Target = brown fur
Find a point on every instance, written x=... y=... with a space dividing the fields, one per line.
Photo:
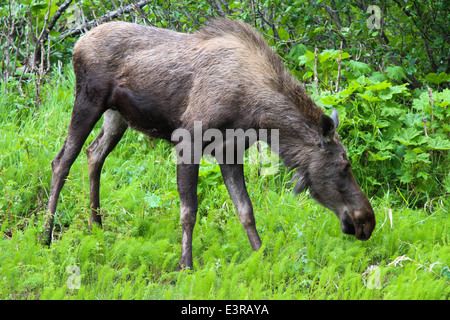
x=212 y=67
x=225 y=76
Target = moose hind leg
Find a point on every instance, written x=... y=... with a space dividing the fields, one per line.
x=233 y=176
x=85 y=115
x=113 y=128
x=187 y=178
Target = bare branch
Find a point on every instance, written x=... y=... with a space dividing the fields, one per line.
x=316 y=78
x=430 y=93
x=109 y=16
x=334 y=16
x=339 y=68
x=218 y=7
x=58 y=14
x=384 y=41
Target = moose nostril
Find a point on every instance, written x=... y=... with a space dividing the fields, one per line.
x=363 y=235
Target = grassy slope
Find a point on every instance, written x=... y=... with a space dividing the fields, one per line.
x=304 y=254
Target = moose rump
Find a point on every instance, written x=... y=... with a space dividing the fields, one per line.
x=224 y=76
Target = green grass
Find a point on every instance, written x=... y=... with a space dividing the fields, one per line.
x=304 y=253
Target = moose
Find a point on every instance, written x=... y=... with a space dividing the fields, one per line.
x=225 y=76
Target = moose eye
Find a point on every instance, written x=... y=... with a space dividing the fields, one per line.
x=347 y=167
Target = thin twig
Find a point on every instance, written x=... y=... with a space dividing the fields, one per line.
x=339 y=68
x=425 y=127
x=316 y=78
x=109 y=16
x=399 y=260
x=430 y=93
x=57 y=14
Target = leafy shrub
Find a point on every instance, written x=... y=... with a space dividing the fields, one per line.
x=396 y=138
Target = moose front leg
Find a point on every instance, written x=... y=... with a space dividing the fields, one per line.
x=233 y=176
x=187 y=178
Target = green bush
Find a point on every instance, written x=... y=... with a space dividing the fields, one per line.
x=397 y=139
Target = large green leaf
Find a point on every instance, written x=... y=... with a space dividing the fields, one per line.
x=396 y=73
x=437 y=78
x=368 y=97
x=406 y=136
x=359 y=68
x=39 y=6
x=379 y=86
x=438 y=143
x=380 y=155
x=297 y=51
x=412 y=157
x=331 y=100
x=353 y=86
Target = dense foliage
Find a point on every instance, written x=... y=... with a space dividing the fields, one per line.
x=384 y=68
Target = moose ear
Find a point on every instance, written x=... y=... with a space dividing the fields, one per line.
x=335 y=117
x=327 y=125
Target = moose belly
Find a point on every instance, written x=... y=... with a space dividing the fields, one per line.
x=154 y=116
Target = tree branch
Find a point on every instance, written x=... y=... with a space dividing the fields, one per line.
x=425 y=37
x=109 y=16
x=48 y=26
x=339 y=61
x=381 y=39
x=218 y=7
x=58 y=14
x=335 y=17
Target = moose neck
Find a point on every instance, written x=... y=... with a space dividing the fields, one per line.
x=294 y=130
x=294 y=148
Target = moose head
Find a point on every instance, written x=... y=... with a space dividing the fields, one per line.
x=330 y=180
